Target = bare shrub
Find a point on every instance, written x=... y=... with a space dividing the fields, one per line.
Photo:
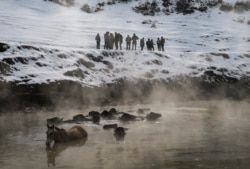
x=226 y=7
x=242 y=6
x=86 y=8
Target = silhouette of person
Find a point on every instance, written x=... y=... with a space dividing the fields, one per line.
x=98 y=41
x=116 y=40
x=162 y=43
x=148 y=44
x=128 y=42
x=158 y=42
x=152 y=45
x=106 y=35
x=111 y=41
x=120 y=40
x=134 y=41
x=142 y=43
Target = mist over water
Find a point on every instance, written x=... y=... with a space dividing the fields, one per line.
x=189 y=135
x=204 y=134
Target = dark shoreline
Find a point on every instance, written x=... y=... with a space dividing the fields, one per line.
x=14 y=97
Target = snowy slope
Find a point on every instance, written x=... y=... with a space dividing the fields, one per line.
x=56 y=30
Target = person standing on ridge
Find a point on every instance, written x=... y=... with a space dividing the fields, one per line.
x=152 y=45
x=116 y=40
x=120 y=40
x=111 y=41
x=106 y=35
x=148 y=44
x=134 y=41
x=98 y=41
x=142 y=43
x=128 y=42
x=162 y=43
x=159 y=44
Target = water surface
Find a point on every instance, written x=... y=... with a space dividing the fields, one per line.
x=190 y=135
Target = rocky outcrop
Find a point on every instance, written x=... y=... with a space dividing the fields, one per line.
x=4 y=47
x=169 y=6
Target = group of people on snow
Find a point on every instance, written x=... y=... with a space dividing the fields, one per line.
x=115 y=40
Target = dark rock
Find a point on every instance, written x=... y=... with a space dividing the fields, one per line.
x=5 y=69
x=202 y=9
x=101 y=4
x=62 y=55
x=4 y=47
x=109 y=64
x=85 y=63
x=212 y=4
x=9 y=61
x=41 y=64
x=165 y=71
x=75 y=73
x=157 y=62
x=28 y=47
x=224 y=55
x=92 y=57
x=12 y=61
x=22 y=60
x=209 y=73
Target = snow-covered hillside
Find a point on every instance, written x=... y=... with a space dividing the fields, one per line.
x=57 y=30
x=27 y=64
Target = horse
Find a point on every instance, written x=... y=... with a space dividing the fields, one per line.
x=62 y=136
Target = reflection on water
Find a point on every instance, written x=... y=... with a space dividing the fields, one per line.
x=57 y=149
x=190 y=135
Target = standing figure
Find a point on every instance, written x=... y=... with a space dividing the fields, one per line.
x=152 y=45
x=162 y=43
x=158 y=44
x=111 y=41
x=120 y=40
x=106 y=35
x=98 y=41
x=142 y=43
x=116 y=40
x=128 y=42
x=148 y=44
x=134 y=41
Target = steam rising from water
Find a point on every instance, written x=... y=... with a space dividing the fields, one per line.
x=194 y=134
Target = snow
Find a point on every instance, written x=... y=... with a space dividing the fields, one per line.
x=69 y=30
